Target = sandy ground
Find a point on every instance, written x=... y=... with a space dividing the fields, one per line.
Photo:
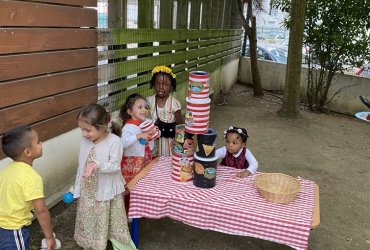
x=332 y=150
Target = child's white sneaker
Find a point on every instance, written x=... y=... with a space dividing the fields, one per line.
x=58 y=245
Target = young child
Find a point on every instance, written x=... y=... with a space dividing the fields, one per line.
x=21 y=190
x=235 y=154
x=136 y=153
x=99 y=184
x=164 y=108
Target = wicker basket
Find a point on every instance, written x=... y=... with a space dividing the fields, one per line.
x=277 y=187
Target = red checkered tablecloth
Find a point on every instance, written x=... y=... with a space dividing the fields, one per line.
x=233 y=206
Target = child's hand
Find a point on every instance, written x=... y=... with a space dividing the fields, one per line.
x=90 y=168
x=50 y=243
x=243 y=174
x=145 y=136
x=153 y=131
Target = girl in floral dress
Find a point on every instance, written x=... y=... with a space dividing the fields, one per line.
x=99 y=184
x=164 y=108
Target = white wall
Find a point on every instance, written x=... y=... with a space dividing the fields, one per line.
x=273 y=78
x=223 y=78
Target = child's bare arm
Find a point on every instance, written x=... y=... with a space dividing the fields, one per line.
x=178 y=117
x=43 y=216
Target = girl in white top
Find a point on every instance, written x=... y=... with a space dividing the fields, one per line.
x=99 y=184
x=236 y=154
x=136 y=152
x=164 y=108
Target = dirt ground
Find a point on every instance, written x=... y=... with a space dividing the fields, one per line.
x=332 y=150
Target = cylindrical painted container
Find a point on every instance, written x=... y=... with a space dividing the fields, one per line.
x=200 y=129
x=148 y=125
x=206 y=144
x=204 y=171
x=182 y=167
x=198 y=84
x=184 y=142
x=198 y=105
x=197 y=115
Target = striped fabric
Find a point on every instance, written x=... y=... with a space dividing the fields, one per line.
x=233 y=206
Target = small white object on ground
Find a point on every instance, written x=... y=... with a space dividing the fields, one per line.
x=58 y=245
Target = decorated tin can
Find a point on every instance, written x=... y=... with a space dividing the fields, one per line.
x=184 y=142
x=148 y=125
x=182 y=167
x=198 y=84
x=204 y=171
x=206 y=144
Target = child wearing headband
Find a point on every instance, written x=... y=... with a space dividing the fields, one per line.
x=235 y=153
x=164 y=108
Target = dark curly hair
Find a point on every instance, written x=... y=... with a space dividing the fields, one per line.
x=16 y=140
x=242 y=132
x=173 y=80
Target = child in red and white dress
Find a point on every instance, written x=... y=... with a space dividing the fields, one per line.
x=136 y=152
x=236 y=154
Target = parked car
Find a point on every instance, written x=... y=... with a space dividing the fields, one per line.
x=364 y=71
x=270 y=52
x=305 y=49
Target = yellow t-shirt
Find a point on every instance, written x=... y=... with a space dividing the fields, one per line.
x=20 y=184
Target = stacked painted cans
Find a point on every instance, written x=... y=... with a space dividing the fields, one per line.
x=198 y=103
x=182 y=155
x=200 y=167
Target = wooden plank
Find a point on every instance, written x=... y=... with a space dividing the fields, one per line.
x=316 y=211
x=117 y=17
x=142 y=174
x=124 y=84
x=145 y=14
x=17 y=40
x=57 y=125
x=227 y=16
x=166 y=14
x=85 y=3
x=38 y=87
x=121 y=69
x=195 y=14
x=112 y=54
x=125 y=36
x=53 y=127
x=26 y=14
x=25 y=65
x=182 y=14
x=45 y=108
x=114 y=102
x=206 y=14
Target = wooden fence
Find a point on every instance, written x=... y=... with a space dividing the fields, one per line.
x=186 y=50
x=48 y=63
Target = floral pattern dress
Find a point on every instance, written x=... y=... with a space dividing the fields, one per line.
x=99 y=221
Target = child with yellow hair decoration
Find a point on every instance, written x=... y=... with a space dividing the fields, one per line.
x=165 y=110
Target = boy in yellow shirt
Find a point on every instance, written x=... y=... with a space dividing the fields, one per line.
x=21 y=190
